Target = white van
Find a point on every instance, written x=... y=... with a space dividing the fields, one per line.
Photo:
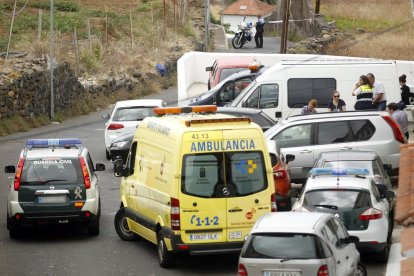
x=286 y=87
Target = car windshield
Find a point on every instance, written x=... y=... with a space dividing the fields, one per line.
x=241 y=95
x=223 y=174
x=370 y=165
x=280 y=246
x=51 y=170
x=132 y=113
x=226 y=72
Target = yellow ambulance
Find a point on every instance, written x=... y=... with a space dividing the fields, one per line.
x=194 y=181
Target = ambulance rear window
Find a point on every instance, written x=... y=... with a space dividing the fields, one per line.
x=224 y=174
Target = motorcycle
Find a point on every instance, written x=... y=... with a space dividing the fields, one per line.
x=243 y=36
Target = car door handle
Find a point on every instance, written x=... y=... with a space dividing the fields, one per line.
x=305 y=151
x=346 y=148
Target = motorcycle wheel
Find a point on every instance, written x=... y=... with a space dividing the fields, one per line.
x=237 y=42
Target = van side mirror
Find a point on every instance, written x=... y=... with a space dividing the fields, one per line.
x=387 y=168
x=293 y=193
x=105 y=116
x=382 y=189
x=209 y=68
x=278 y=114
x=289 y=158
x=389 y=195
x=119 y=168
x=350 y=239
x=10 y=169
x=100 y=167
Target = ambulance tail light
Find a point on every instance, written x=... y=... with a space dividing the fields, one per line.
x=115 y=126
x=273 y=203
x=18 y=175
x=85 y=173
x=175 y=214
x=398 y=135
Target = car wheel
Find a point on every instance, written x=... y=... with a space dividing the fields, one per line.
x=361 y=270
x=383 y=255
x=108 y=156
x=121 y=226
x=93 y=228
x=165 y=258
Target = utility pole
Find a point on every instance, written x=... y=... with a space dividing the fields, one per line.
x=317 y=6
x=52 y=102
x=285 y=25
x=207 y=23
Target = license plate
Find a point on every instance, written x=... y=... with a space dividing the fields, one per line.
x=235 y=235
x=52 y=199
x=282 y=273
x=204 y=237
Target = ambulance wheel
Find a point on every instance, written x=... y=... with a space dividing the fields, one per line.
x=122 y=228
x=166 y=259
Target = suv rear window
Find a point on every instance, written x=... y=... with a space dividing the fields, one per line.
x=132 y=113
x=363 y=130
x=225 y=174
x=280 y=246
x=47 y=170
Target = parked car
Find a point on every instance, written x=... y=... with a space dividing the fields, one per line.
x=119 y=147
x=55 y=182
x=297 y=244
x=356 y=159
x=281 y=175
x=357 y=201
x=257 y=115
x=305 y=136
x=224 y=67
x=125 y=118
x=228 y=89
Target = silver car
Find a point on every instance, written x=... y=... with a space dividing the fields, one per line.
x=298 y=244
x=305 y=136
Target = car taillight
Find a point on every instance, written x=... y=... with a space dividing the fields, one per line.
x=280 y=174
x=175 y=214
x=371 y=214
x=85 y=173
x=115 y=126
x=273 y=203
x=323 y=271
x=398 y=135
x=242 y=270
x=18 y=174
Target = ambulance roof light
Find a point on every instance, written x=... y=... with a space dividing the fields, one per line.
x=217 y=120
x=256 y=65
x=185 y=109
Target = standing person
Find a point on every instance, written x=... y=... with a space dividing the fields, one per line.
x=310 y=108
x=258 y=37
x=405 y=90
x=364 y=92
x=378 y=100
x=400 y=117
x=336 y=104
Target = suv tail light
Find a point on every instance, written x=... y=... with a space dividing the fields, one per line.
x=175 y=214
x=323 y=271
x=371 y=214
x=273 y=203
x=398 y=135
x=115 y=126
x=279 y=174
x=85 y=173
x=242 y=270
x=18 y=174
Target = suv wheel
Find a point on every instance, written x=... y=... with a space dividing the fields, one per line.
x=14 y=233
x=165 y=258
x=361 y=270
x=383 y=255
x=121 y=226
x=108 y=156
x=93 y=228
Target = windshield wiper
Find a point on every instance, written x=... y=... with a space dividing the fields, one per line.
x=51 y=180
x=293 y=258
x=334 y=207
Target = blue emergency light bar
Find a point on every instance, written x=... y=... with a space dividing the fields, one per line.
x=338 y=171
x=54 y=143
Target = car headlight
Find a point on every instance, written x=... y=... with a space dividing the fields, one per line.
x=120 y=144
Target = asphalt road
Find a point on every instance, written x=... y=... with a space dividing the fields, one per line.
x=271 y=45
x=70 y=251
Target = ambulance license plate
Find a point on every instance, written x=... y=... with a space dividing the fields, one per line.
x=52 y=199
x=282 y=273
x=204 y=237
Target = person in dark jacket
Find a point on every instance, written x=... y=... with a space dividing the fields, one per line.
x=405 y=90
x=258 y=37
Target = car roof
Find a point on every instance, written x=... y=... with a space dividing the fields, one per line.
x=232 y=60
x=340 y=182
x=336 y=115
x=238 y=110
x=348 y=155
x=145 y=102
x=289 y=222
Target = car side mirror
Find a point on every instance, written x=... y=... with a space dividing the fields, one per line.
x=289 y=158
x=350 y=239
x=100 y=167
x=10 y=169
x=390 y=195
x=209 y=68
x=105 y=116
x=293 y=193
x=119 y=168
x=382 y=189
x=387 y=168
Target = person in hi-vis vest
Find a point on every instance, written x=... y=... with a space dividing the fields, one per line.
x=364 y=92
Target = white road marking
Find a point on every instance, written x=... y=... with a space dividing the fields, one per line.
x=394 y=260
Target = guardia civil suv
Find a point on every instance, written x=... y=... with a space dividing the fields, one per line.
x=55 y=183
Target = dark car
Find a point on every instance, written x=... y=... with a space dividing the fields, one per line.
x=119 y=147
x=225 y=92
x=257 y=115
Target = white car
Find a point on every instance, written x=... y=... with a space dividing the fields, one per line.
x=125 y=118
x=299 y=244
x=356 y=200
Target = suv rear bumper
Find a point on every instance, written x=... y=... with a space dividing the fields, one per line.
x=370 y=247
